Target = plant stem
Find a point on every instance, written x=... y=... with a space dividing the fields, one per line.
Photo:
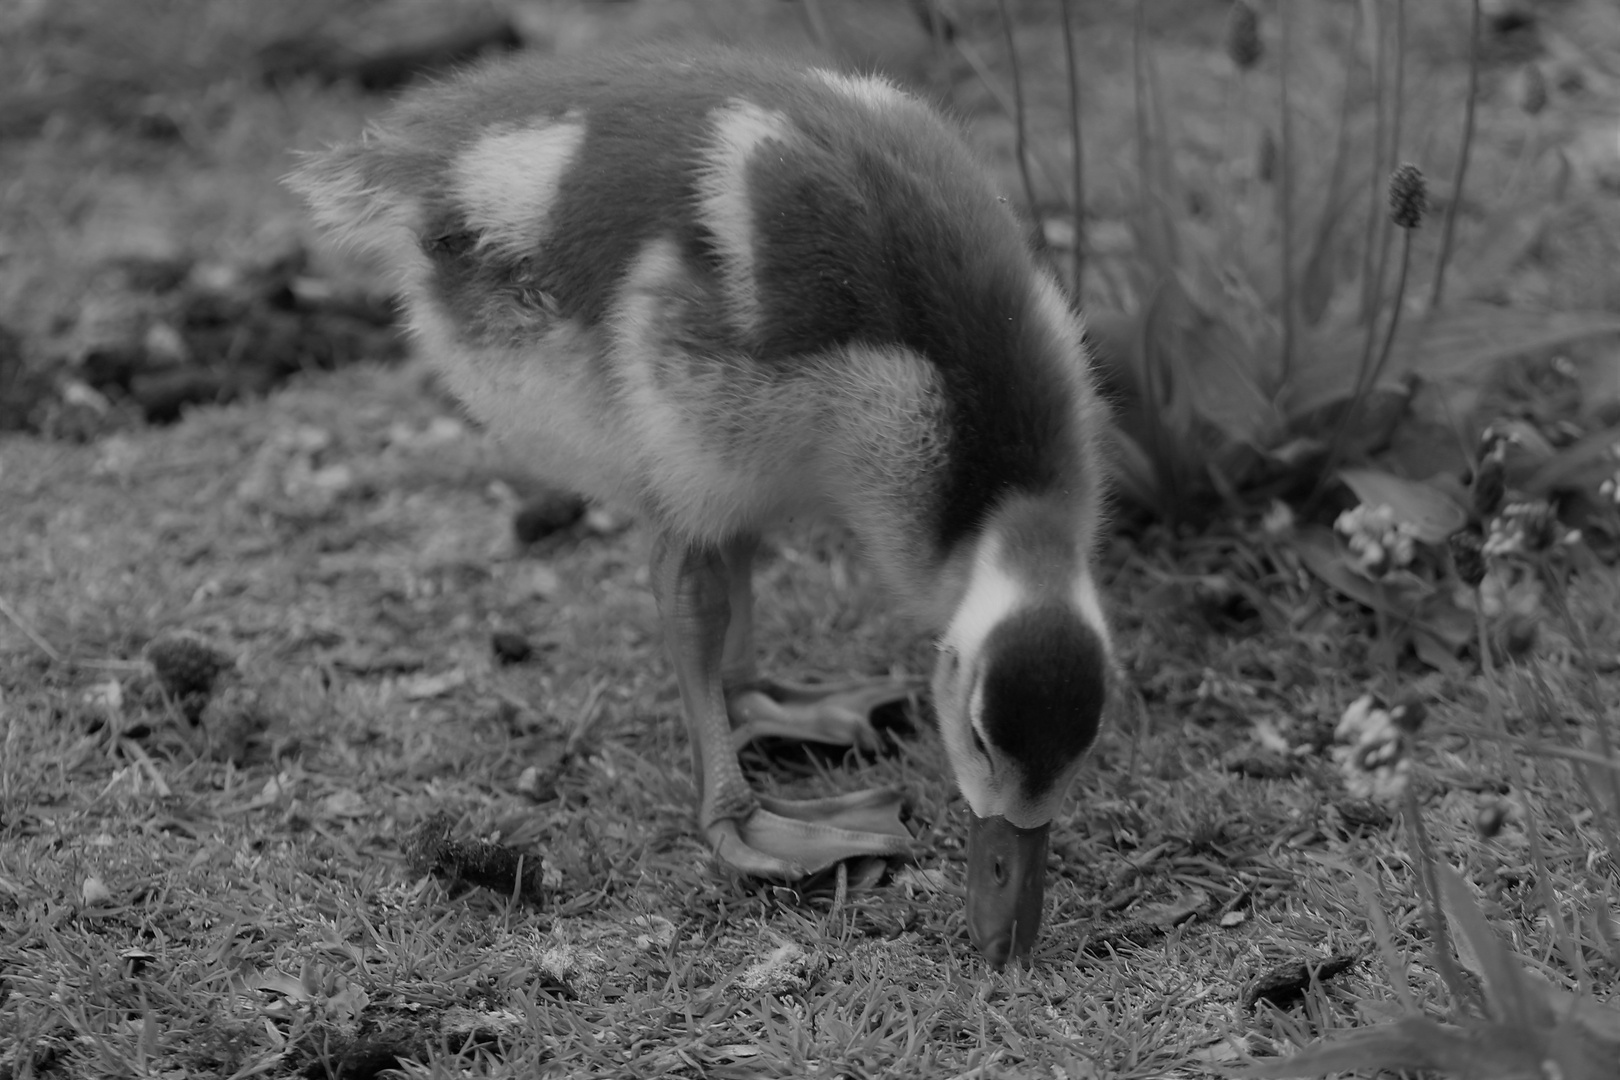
x=1439 y=292
x=1004 y=102
x=936 y=31
x=1532 y=830
x=1594 y=700
x=1367 y=379
x=1072 y=70
x=1020 y=128
x=1285 y=191
x=1372 y=270
x=819 y=31
x=1429 y=885
x=1397 y=61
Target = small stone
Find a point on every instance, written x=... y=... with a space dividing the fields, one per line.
x=1490 y=819
x=95 y=892
x=546 y=514
x=187 y=665
x=510 y=648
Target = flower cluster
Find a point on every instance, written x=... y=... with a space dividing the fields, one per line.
x=1376 y=538
x=1375 y=744
x=1610 y=488
x=1526 y=528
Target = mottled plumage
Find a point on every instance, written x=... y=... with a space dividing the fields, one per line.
x=731 y=290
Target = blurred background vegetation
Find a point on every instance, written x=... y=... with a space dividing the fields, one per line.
x=1348 y=268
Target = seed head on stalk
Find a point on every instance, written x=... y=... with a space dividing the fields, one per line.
x=1243 y=35
x=1408 y=196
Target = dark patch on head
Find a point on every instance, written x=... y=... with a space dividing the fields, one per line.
x=880 y=230
x=1045 y=683
x=490 y=296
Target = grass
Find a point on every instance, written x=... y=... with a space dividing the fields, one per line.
x=237 y=898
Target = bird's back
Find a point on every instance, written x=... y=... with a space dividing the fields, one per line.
x=728 y=288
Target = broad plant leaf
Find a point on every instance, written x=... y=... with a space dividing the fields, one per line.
x=1507 y=993
x=1483 y=261
x=1437 y=628
x=1587 y=458
x=1469 y=339
x=1207 y=358
x=1322 y=556
x=1515 y=994
x=1432 y=514
x=1459 y=341
x=1477 y=1052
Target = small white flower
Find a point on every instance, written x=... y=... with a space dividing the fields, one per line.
x=1278 y=520
x=1526 y=528
x=1376 y=538
x=1372 y=755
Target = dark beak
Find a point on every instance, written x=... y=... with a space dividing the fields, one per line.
x=1006 y=887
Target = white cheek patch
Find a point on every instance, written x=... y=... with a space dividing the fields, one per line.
x=992 y=595
x=968 y=763
x=725 y=205
x=1089 y=605
x=507 y=183
x=874 y=93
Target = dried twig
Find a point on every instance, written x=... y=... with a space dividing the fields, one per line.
x=28 y=631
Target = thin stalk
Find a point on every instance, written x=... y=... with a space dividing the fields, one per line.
x=1004 y=102
x=1594 y=697
x=1165 y=456
x=1429 y=885
x=1398 y=104
x=1328 y=222
x=819 y=31
x=1399 y=978
x=1077 y=175
x=1438 y=294
x=1372 y=270
x=1155 y=171
x=1368 y=379
x=1532 y=831
x=936 y=31
x=29 y=632
x=1397 y=61
x=1022 y=135
x=1285 y=192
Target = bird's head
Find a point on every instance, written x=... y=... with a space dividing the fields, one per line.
x=1019 y=688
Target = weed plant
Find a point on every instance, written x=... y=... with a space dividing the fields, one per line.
x=1276 y=344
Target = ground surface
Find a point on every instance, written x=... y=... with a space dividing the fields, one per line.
x=243 y=897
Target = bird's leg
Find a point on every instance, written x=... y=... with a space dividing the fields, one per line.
x=766 y=837
x=839 y=714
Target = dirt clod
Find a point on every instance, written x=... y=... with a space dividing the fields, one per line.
x=188 y=668
x=432 y=849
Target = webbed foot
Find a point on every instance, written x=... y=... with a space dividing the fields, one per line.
x=838 y=714
x=790 y=839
